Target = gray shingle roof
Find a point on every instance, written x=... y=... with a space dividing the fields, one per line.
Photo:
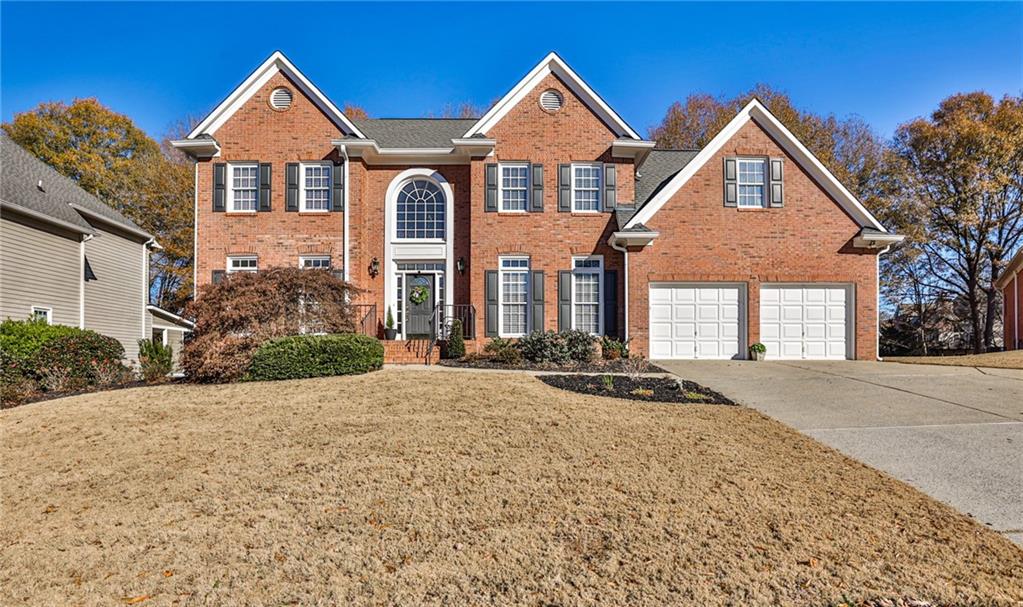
x=414 y=132
x=20 y=174
x=657 y=169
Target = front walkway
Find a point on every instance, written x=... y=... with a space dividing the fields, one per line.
x=955 y=433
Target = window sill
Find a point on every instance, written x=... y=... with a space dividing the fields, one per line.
x=241 y=213
x=513 y=213
x=323 y=212
x=752 y=209
x=587 y=214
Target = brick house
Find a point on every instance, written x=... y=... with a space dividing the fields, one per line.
x=1011 y=285
x=549 y=212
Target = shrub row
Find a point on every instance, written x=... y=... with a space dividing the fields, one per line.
x=38 y=357
x=545 y=347
x=302 y=356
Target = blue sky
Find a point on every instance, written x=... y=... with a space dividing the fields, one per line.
x=160 y=62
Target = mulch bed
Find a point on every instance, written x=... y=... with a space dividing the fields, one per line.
x=651 y=389
x=596 y=366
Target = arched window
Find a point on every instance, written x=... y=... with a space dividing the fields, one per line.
x=420 y=210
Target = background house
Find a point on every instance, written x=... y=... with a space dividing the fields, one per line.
x=70 y=259
x=1011 y=285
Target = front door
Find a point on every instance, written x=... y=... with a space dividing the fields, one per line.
x=419 y=302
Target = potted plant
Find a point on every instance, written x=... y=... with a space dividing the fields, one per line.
x=389 y=331
x=757 y=351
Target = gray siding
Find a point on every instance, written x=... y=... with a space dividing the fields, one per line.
x=38 y=267
x=115 y=301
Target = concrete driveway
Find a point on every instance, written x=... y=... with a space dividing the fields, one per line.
x=955 y=433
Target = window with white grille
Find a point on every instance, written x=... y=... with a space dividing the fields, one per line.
x=244 y=192
x=315 y=192
x=587 y=287
x=514 y=296
x=585 y=188
x=751 y=182
x=514 y=187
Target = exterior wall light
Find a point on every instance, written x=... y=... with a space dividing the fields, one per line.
x=460 y=265
x=374 y=267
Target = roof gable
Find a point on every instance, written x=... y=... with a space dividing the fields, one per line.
x=756 y=110
x=275 y=63
x=552 y=63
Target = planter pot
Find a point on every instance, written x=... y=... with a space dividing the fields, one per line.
x=390 y=334
x=756 y=356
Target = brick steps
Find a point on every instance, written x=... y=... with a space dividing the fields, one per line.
x=409 y=352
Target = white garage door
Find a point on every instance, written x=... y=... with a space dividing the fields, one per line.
x=699 y=320
x=806 y=321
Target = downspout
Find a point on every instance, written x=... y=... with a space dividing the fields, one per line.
x=614 y=245
x=344 y=218
x=877 y=307
x=145 y=281
x=195 y=233
x=1015 y=305
x=81 y=276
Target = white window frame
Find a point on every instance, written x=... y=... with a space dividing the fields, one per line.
x=230 y=269
x=739 y=183
x=47 y=313
x=500 y=188
x=501 y=271
x=599 y=271
x=230 y=186
x=446 y=225
x=304 y=258
x=600 y=186
x=302 y=189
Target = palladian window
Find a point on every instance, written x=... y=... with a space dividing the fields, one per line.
x=420 y=211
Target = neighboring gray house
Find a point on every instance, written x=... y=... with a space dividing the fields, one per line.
x=67 y=257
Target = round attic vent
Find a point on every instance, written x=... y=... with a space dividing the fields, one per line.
x=551 y=100
x=280 y=98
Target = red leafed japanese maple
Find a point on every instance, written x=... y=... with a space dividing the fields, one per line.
x=236 y=315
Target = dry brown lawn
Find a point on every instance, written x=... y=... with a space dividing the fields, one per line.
x=410 y=487
x=1013 y=359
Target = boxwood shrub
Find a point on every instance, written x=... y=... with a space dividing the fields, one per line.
x=300 y=356
x=81 y=360
x=20 y=340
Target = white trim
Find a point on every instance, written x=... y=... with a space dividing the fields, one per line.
x=275 y=63
x=229 y=186
x=788 y=141
x=461 y=152
x=500 y=186
x=739 y=183
x=231 y=258
x=600 y=187
x=301 y=188
x=599 y=271
x=145 y=284
x=17 y=208
x=48 y=313
x=303 y=258
x=160 y=311
x=500 y=292
x=390 y=198
x=552 y=63
x=199 y=148
x=112 y=222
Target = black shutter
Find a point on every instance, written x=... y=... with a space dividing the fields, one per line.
x=611 y=303
x=564 y=300
x=536 y=301
x=264 y=186
x=219 y=187
x=610 y=187
x=564 y=188
x=731 y=183
x=218 y=275
x=492 y=310
x=777 y=189
x=291 y=175
x=337 y=193
x=491 y=199
x=536 y=200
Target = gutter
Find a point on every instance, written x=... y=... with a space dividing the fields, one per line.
x=46 y=218
x=151 y=240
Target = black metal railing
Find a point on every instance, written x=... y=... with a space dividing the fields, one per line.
x=365 y=316
x=444 y=316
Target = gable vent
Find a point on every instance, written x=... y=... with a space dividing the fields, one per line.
x=280 y=99
x=551 y=100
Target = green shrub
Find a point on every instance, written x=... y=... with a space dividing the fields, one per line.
x=503 y=351
x=613 y=349
x=81 y=360
x=22 y=339
x=156 y=361
x=758 y=347
x=300 y=356
x=581 y=346
x=545 y=347
x=456 y=341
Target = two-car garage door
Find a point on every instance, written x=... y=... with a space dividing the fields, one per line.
x=708 y=320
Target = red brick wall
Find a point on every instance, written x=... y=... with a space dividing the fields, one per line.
x=1013 y=312
x=256 y=132
x=808 y=240
x=551 y=238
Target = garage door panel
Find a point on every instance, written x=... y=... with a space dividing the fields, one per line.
x=701 y=320
x=805 y=321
